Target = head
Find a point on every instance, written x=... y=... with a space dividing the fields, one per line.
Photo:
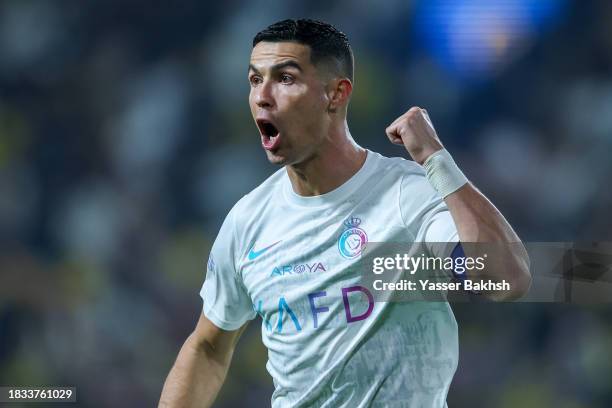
x=300 y=74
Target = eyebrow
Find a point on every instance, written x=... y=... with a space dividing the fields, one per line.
x=278 y=66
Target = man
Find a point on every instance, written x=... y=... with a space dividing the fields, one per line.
x=286 y=251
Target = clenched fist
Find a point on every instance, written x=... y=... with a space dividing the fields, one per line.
x=415 y=131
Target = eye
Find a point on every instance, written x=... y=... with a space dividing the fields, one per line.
x=286 y=79
x=254 y=80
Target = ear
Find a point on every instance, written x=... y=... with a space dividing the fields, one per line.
x=339 y=93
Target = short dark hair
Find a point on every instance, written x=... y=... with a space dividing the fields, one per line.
x=327 y=43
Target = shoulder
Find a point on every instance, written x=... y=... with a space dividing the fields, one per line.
x=261 y=194
x=248 y=212
x=245 y=215
x=398 y=165
x=414 y=187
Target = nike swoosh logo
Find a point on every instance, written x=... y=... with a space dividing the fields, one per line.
x=254 y=254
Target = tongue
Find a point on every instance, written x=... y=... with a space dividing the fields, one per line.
x=270 y=142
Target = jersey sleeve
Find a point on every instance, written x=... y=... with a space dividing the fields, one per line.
x=226 y=301
x=426 y=215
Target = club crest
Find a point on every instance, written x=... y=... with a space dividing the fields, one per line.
x=353 y=239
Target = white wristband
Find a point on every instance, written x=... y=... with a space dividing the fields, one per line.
x=443 y=173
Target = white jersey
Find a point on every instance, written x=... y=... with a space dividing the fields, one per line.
x=289 y=258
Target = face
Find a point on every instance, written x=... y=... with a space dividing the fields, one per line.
x=288 y=101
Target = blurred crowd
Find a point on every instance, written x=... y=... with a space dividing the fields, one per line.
x=125 y=137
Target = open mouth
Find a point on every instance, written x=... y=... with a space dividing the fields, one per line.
x=269 y=134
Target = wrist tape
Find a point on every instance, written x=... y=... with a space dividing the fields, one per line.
x=443 y=173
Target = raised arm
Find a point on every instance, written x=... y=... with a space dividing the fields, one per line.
x=476 y=218
x=201 y=366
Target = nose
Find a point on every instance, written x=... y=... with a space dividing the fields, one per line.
x=263 y=95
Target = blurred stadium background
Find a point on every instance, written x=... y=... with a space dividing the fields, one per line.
x=125 y=137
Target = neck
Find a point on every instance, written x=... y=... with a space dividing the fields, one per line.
x=337 y=160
